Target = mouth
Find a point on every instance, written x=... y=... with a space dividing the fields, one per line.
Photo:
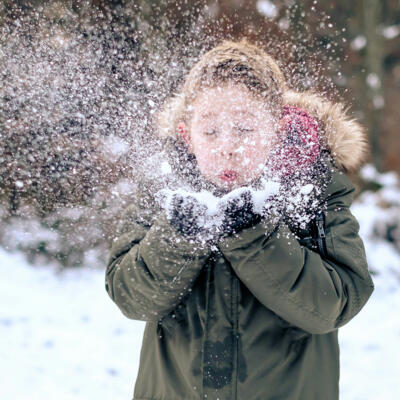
x=228 y=175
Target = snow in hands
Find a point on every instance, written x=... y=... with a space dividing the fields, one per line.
x=272 y=199
x=209 y=213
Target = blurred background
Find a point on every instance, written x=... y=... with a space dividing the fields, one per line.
x=80 y=83
x=82 y=79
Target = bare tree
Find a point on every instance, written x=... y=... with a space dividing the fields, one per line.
x=374 y=74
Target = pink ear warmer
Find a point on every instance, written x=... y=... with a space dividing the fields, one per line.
x=300 y=144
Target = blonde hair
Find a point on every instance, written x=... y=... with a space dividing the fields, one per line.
x=240 y=62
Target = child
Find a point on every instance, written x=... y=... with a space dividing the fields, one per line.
x=250 y=309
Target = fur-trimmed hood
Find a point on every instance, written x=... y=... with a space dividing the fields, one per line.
x=344 y=137
x=341 y=136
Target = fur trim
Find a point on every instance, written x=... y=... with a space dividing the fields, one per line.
x=169 y=115
x=345 y=138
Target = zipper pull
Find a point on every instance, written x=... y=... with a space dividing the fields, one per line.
x=320 y=225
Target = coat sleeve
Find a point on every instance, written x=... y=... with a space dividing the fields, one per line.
x=150 y=267
x=313 y=293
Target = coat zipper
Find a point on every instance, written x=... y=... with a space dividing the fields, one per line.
x=235 y=301
x=320 y=221
x=205 y=326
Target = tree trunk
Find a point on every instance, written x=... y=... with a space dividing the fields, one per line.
x=374 y=53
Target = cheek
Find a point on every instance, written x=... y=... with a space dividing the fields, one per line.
x=205 y=156
x=254 y=149
x=255 y=153
x=203 y=163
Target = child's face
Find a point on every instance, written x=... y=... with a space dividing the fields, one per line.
x=231 y=134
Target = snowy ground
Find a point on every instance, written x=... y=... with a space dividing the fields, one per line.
x=63 y=338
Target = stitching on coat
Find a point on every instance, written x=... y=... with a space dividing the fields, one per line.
x=299 y=304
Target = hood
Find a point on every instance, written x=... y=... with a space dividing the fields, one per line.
x=341 y=136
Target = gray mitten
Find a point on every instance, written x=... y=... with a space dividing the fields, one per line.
x=185 y=212
x=189 y=217
x=238 y=213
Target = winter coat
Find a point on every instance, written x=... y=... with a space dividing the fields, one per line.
x=255 y=317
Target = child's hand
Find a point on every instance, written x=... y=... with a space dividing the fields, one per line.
x=238 y=213
x=187 y=215
x=210 y=218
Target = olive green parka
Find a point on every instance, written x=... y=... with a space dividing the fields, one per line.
x=255 y=317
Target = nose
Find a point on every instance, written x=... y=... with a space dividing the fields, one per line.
x=226 y=153
x=228 y=148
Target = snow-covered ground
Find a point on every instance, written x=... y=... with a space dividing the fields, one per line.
x=63 y=338
x=370 y=342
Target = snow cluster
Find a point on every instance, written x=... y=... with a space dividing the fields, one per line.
x=79 y=88
x=271 y=199
x=78 y=91
x=213 y=205
x=267 y=8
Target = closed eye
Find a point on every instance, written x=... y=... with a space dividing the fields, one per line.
x=240 y=129
x=244 y=129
